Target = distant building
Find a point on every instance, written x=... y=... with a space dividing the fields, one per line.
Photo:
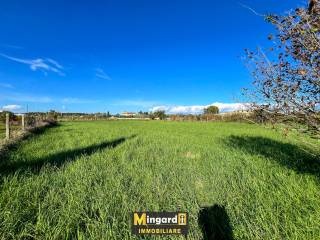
x=128 y=114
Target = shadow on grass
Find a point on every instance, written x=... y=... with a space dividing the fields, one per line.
x=215 y=223
x=286 y=154
x=57 y=159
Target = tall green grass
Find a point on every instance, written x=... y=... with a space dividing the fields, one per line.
x=83 y=180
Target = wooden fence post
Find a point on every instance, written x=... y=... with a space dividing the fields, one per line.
x=7 y=126
x=22 y=122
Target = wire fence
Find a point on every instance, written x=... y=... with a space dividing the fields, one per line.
x=12 y=125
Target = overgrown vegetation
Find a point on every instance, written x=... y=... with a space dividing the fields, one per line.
x=263 y=186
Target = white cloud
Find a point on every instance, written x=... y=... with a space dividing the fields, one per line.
x=179 y=109
x=101 y=74
x=6 y=85
x=197 y=109
x=12 y=107
x=44 y=65
x=230 y=107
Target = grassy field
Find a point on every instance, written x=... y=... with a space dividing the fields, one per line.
x=83 y=180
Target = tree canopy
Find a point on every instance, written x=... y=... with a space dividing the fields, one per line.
x=211 y=110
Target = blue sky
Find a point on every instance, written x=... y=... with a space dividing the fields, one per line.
x=124 y=55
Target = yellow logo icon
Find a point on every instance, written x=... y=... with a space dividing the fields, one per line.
x=182 y=219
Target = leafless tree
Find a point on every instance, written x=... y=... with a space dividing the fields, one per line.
x=287 y=75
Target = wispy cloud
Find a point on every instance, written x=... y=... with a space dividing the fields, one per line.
x=101 y=74
x=197 y=109
x=6 y=85
x=55 y=63
x=11 y=46
x=23 y=98
x=44 y=65
x=17 y=97
x=12 y=107
x=71 y=100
